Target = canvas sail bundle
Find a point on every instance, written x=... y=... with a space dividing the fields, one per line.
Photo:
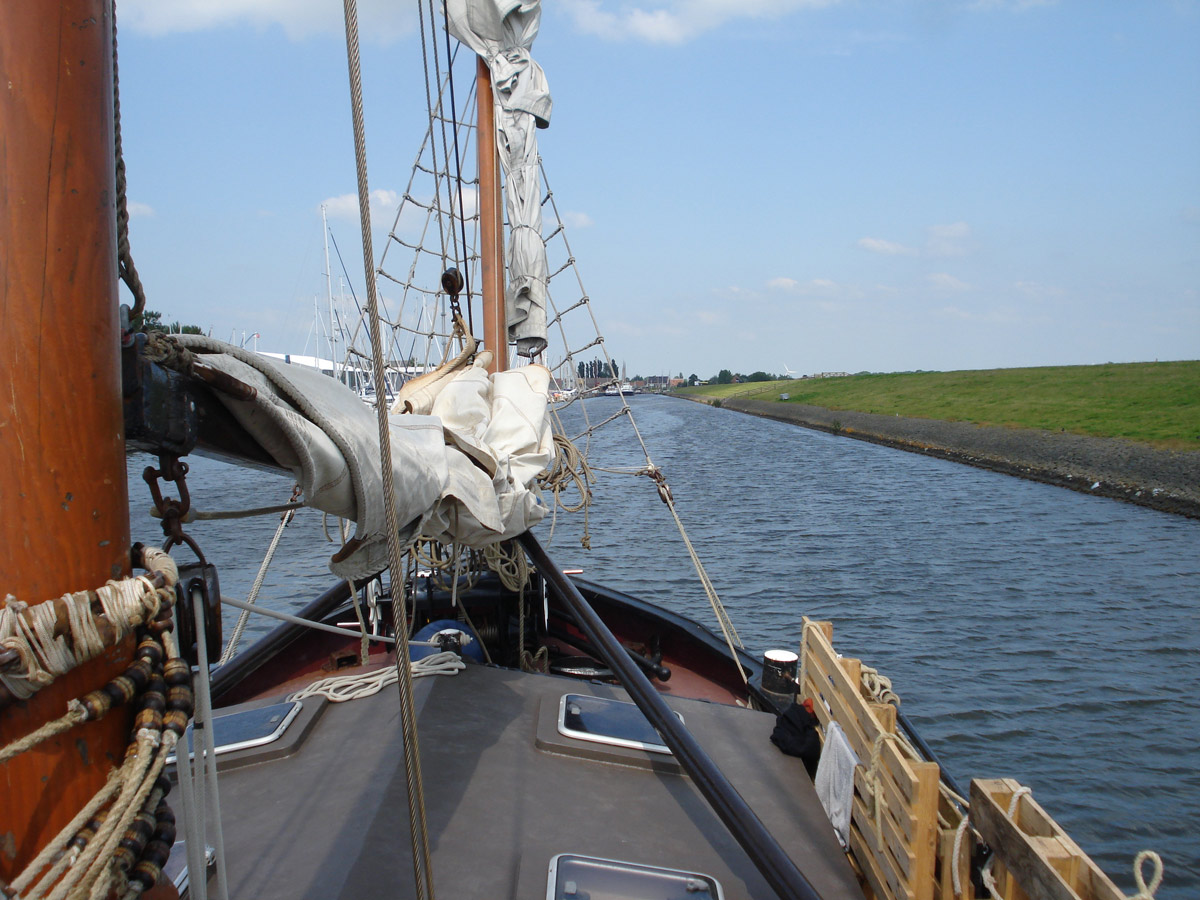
x=465 y=473
x=502 y=32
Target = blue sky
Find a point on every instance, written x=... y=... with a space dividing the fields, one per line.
x=830 y=186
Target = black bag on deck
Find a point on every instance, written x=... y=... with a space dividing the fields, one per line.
x=796 y=735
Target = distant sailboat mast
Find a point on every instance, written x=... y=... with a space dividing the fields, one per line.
x=329 y=293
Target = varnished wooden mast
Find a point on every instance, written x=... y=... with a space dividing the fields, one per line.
x=491 y=224
x=64 y=512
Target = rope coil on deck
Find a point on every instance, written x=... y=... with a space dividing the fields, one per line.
x=340 y=688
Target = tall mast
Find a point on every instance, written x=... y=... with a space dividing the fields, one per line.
x=491 y=233
x=65 y=522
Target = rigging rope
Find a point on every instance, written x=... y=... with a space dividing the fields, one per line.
x=418 y=830
x=126 y=268
x=284 y=521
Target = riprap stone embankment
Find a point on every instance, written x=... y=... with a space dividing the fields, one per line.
x=1161 y=479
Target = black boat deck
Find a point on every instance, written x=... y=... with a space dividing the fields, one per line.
x=504 y=794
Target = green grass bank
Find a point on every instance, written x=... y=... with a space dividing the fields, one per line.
x=1152 y=403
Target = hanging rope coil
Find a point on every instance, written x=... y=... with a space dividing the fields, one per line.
x=568 y=468
x=508 y=561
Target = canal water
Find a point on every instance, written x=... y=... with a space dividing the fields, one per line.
x=1032 y=632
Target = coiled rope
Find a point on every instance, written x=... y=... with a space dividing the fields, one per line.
x=341 y=688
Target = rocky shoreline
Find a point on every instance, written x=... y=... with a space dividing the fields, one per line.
x=1165 y=480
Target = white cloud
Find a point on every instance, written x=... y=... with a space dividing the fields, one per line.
x=940 y=241
x=887 y=248
x=577 y=220
x=345 y=206
x=709 y=318
x=139 y=210
x=783 y=284
x=675 y=21
x=948 y=240
x=946 y=282
x=380 y=21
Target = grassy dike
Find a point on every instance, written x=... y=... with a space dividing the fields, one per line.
x=1128 y=431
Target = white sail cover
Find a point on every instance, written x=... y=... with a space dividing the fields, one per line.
x=465 y=473
x=502 y=32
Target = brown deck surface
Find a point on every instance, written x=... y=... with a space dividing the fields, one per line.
x=504 y=796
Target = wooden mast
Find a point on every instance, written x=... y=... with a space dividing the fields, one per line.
x=63 y=496
x=491 y=224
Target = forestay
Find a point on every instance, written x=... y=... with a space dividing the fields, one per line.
x=502 y=32
x=464 y=465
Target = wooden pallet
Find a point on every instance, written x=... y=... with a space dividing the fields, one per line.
x=896 y=850
x=1035 y=858
x=906 y=851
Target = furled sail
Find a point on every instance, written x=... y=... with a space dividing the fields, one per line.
x=502 y=32
x=466 y=472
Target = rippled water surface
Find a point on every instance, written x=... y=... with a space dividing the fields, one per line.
x=1032 y=632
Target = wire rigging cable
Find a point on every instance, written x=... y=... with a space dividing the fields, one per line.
x=418 y=830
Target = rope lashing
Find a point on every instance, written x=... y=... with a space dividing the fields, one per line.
x=878 y=687
x=122 y=836
x=875 y=781
x=166 y=350
x=50 y=638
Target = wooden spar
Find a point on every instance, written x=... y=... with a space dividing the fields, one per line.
x=65 y=522
x=491 y=224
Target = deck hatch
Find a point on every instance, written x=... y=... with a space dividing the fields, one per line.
x=574 y=877
x=249 y=727
x=607 y=721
